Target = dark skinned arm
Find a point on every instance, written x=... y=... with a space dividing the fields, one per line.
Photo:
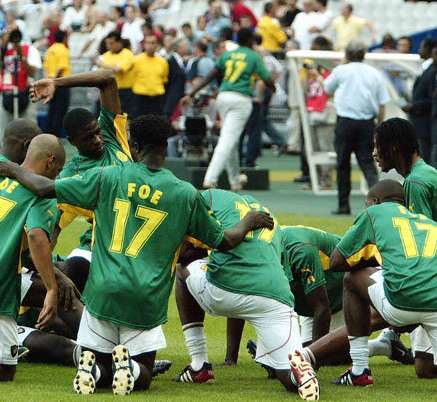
x=44 y=90
x=39 y=185
x=319 y=302
x=41 y=252
x=339 y=264
x=252 y=221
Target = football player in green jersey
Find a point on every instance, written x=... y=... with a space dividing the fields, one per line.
x=403 y=290
x=234 y=104
x=26 y=219
x=396 y=146
x=142 y=213
x=247 y=283
x=318 y=292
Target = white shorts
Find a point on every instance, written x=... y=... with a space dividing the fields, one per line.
x=78 y=252
x=8 y=341
x=420 y=341
x=26 y=282
x=400 y=318
x=306 y=325
x=102 y=336
x=23 y=333
x=275 y=323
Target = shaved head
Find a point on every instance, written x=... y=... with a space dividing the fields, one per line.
x=21 y=128
x=46 y=155
x=386 y=191
x=17 y=135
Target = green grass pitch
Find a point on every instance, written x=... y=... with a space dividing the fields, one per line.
x=247 y=382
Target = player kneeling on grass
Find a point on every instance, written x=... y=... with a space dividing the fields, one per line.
x=23 y=211
x=142 y=213
x=403 y=291
x=248 y=283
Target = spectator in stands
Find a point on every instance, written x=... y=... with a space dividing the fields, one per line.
x=201 y=26
x=240 y=10
x=149 y=75
x=273 y=37
x=33 y=18
x=190 y=35
x=91 y=15
x=120 y=60
x=20 y=62
x=303 y=23
x=103 y=26
x=404 y=45
x=217 y=21
x=133 y=29
x=419 y=109
x=348 y=27
x=167 y=46
x=434 y=115
x=117 y=17
x=57 y=64
x=175 y=88
x=324 y=17
x=287 y=12
x=74 y=17
x=227 y=36
x=13 y=23
x=200 y=65
x=360 y=98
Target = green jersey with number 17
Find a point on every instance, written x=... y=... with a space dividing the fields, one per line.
x=20 y=212
x=141 y=218
x=239 y=67
x=253 y=267
x=404 y=244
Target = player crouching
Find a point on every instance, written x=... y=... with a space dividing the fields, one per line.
x=256 y=291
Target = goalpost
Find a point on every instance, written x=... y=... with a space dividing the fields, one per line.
x=407 y=66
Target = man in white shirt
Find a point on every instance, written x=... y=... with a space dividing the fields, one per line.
x=303 y=23
x=133 y=29
x=360 y=98
x=101 y=30
x=324 y=17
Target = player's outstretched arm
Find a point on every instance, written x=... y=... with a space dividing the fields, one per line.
x=39 y=185
x=196 y=88
x=40 y=250
x=252 y=221
x=44 y=90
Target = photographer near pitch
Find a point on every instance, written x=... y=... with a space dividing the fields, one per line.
x=19 y=62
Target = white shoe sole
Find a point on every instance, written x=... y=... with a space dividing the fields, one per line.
x=307 y=384
x=84 y=382
x=123 y=380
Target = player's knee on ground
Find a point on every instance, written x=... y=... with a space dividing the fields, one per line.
x=424 y=365
x=146 y=362
x=7 y=372
x=284 y=377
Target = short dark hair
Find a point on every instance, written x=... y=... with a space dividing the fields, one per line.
x=429 y=43
x=321 y=42
x=396 y=137
x=60 y=36
x=75 y=120
x=114 y=35
x=406 y=37
x=150 y=131
x=186 y=25
x=15 y=36
x=324 y=3
x=268 y=7
x=245 y=37
x=226 y=33
x=355 y=51
x=350 y=7
x=202 y=46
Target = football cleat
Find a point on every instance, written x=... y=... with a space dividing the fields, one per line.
x=204 y=375
x=400 y=353
x=161 y=366
x=84 y=381
x=123 y=378
x=22 y=352
x=304 y=377
x=251 y=349
x=365 y=379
